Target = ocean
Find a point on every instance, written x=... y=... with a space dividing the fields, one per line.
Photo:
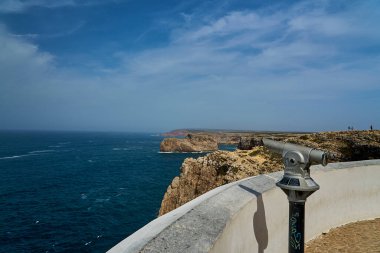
x=79 y=191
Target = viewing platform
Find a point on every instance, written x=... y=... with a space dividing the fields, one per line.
x=251 y=215
x=361 y=236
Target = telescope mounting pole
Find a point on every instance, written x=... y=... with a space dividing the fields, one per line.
x=297 y=185
x=296 y=237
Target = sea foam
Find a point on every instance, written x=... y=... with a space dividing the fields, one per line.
x=41 y=151
x=14 y=157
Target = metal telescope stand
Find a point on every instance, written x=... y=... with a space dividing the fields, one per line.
x=297 y=185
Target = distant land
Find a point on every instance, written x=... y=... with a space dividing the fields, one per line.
x=205 y=140
x=186 y=131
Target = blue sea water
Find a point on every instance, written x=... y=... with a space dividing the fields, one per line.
x=79 y=192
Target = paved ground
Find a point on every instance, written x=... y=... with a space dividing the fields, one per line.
x=362 y=236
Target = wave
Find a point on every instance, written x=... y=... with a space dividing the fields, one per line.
x=14 y=157
x=41 y=151
x=102 y=200
x=127 y=149
x=31 y=153
x=64 y=143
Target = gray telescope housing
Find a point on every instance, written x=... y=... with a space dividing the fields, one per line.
x=312 y=155
x=297 y=183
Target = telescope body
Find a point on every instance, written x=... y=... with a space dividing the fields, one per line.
x=312 y=155
x=297 y=183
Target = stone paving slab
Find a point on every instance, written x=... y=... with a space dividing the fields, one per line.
x=362 y=236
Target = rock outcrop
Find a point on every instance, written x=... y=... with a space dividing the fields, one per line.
x=343 y=146
x=221 y=167
x=189 y=144
x=247 y=143
x=215 y=169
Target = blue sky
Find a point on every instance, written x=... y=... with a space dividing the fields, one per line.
x=159 y=65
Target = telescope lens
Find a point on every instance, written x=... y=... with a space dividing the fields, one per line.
x=324 y=159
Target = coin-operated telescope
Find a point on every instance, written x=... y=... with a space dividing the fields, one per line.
x=297 y=184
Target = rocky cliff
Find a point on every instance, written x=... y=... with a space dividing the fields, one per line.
x=189 y=144
x=200 y=175
x=195 y=141
x=215 y=169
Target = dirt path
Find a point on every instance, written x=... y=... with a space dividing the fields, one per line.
x=362 y=236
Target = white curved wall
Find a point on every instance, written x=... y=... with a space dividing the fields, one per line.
x=252 y=215
x=346 y=195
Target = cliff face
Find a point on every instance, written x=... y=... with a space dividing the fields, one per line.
x=221 y=167
x=247 y=143
x=189 y=144
x=215 y=169
x=343 y=146
x=197 y=140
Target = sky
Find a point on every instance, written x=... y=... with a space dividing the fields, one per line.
x=152 y=66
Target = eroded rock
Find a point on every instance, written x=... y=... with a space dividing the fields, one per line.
x=189 y=144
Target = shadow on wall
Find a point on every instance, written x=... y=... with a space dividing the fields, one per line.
x=259 y=221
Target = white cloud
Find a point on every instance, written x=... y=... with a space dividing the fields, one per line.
x=265 y=40
x=287 y=56
x=233 y=22
x=20 y=59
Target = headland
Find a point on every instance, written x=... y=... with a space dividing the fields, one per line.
x=205 y=140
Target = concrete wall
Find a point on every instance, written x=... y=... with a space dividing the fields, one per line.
x=251 y=215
